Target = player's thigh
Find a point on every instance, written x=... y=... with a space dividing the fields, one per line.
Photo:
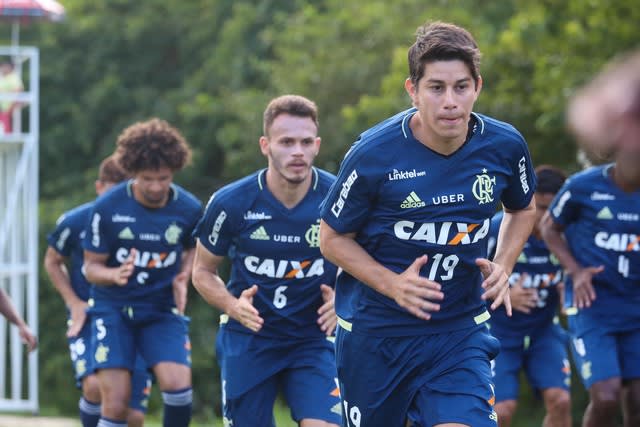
x=115 y=386
x=165 y=338
x=629 y=350
x=311 y=385
x=596 y=356
x=505 y=369
x=463 y=390
x=374 y=389
x=253 y=408
x=547 y=360
x=112 y=340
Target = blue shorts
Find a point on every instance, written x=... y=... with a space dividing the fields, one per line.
x=429 y=379
x=542 y=355
x=81 y=351
x=601 y=354
x=157 y=334
x=253 y=370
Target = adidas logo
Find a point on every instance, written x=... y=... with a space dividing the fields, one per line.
x=522 y=258
x=412 y=201
x=260 y=234
x=605 y=213
x=337 y=409
x=126 y=234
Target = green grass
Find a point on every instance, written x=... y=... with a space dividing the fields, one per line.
x=281 y=413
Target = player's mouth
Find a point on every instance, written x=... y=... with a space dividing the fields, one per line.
x=298 y=166
x=450 y=120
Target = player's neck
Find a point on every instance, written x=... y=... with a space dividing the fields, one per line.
x=628 y=184
x=149 y=204
x=286 y=192
x=435 y=142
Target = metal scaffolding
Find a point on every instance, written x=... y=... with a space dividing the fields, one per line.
x=19 y=234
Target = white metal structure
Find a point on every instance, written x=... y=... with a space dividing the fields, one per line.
x=19 y=235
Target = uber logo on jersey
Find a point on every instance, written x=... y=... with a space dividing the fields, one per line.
x=627 y=216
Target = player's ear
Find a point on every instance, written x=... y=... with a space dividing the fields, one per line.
x=317 y=143
x=478 y=86
x=411 y=90
x=264 y=145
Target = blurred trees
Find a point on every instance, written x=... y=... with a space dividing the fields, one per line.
x=210 y=66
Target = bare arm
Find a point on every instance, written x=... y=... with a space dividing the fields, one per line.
x=553 y=235
x=181 y=281
x=408 y=289
x=9 y=311
x=515 y=229
x=97 y=272
x=55 y=264
x=212 y=288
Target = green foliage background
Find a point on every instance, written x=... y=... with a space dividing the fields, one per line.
x=210 y=66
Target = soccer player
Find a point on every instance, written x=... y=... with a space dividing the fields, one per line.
x=532 y=339
x=63 y=262
x=407 y=220
x=278 y=305
x=8 y=310
x=593 y=226
x=138 y=248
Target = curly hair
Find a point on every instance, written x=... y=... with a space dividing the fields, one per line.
x=111 y=171
x=152 y=145
x=440 y=41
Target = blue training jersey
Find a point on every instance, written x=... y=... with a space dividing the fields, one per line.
x=119 y=223
x=274 y=247
x=66 y=239
x=403 y=200
x=602 y=227
x=542 y=272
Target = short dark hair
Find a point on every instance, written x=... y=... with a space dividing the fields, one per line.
x=550 y=179
x=153 y=144
x=111 y=171
x=440 y=41
x=294 y=105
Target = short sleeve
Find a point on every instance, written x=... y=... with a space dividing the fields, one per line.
x=522 y=182
x=347 y=205
x=565 y=208
x=61 y=238
x=189 y=239
x=216 y=230
x=97 y=238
